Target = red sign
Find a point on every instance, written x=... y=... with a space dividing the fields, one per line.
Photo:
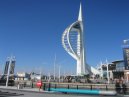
x=39 y=83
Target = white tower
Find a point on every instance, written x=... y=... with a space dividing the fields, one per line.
x=73 y=42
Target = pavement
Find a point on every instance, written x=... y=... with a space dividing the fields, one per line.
x=34 y=92
x=23 y=89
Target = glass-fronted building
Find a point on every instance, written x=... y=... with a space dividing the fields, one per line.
x=118 y=72
x=126 y=56
x=11 y=72
x=12 y=66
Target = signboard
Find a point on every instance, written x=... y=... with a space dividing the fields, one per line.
x=39 y=84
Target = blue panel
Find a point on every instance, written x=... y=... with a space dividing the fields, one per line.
x=94 y=92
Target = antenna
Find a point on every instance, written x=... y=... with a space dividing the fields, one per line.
x=80 y=13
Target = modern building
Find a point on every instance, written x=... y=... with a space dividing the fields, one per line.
x=126 y=59
x=28 y=76
x=103 y=69
x=35 y=76
x=12 y=66
x=126 y=56
x=115 y=70
x=118 y=69
x=22 y=76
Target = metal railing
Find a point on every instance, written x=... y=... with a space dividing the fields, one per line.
x=47 y=86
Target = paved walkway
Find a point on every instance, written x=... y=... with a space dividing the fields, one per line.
x=32 y=90
x=23 y=89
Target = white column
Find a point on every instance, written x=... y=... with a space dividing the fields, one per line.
x=78 y=67
x=49 y=77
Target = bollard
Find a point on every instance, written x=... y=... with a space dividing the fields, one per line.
x=49 y=86
x=55 y=86
x=18 y=86
x=91 y=87
x=68 y=86
x=106 y=87
x=77 y=87
x=32 y=85
x=44 y=86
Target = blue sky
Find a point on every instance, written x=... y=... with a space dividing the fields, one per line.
x=32 y=30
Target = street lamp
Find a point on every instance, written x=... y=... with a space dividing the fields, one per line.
x=10 y=61
x=55 y=68
x=107 y=71
x=59 y=72
x=101 y=67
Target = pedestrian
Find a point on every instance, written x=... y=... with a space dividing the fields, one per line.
x=124 y=89
x=121 y=82
x=18 y=85
x=117 y=86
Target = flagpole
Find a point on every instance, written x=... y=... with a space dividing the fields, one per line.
x=55 y=68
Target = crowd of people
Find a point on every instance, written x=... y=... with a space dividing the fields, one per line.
x=120 y=87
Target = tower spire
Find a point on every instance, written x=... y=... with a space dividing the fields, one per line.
x=80 y=13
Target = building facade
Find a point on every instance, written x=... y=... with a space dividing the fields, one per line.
x=22 y=76
x=12 y=66
x=126 y=56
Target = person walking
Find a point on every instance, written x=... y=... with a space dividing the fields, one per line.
x=117 y=86
x=124 y=89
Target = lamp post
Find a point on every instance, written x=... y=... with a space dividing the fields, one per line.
x=101 y=64
x=1 y=69
x=107 y=71
x=55 y=68
x=49 y=77
x=59 y=72
x=8 y=74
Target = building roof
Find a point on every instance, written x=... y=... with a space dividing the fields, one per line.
x=117 y=61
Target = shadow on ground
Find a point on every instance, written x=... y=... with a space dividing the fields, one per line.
x=8 y=94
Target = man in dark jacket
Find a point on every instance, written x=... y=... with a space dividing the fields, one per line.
x=124 y=89
x=118 y=88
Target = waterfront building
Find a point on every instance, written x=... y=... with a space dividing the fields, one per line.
x=22 y=76
x=118 y=71
x=104 y=72
x=35 y=76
